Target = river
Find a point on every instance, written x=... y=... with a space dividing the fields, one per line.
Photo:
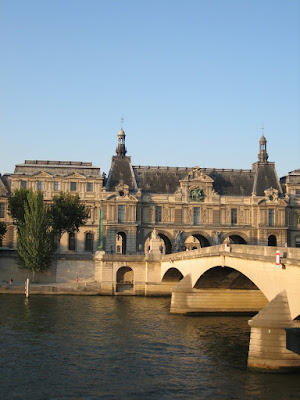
x=77 y=347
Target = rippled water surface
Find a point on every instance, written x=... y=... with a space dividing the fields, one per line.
x=68 y=347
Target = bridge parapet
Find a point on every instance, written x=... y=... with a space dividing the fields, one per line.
x=267 y=253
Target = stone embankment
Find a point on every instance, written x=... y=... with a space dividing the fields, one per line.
x=86 y=289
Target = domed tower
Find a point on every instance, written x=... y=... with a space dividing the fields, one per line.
x=121 y=149
x=263 y=155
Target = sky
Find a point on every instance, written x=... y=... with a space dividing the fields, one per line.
x=194 y=80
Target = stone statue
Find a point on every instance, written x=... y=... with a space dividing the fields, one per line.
x=178 y=245
x=154 y=234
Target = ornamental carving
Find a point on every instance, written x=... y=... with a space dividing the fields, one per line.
x=122 y=189
x=271 y=194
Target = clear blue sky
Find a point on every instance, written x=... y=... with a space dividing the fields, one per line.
x=194 y=80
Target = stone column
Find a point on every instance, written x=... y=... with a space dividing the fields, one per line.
x=267 y=349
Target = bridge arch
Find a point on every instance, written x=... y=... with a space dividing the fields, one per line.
x=125 y=279
x=172 y=275
x=225 y=278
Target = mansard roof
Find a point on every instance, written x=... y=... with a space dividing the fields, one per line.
x=265 y=178
x=159 y=179
x=121 y=170
x=60 y=168
x=4 y=187
x=166 y=179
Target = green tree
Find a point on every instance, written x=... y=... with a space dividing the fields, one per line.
x=3 y=229
x=35 y=239
x=16 y=204
x=67 y=214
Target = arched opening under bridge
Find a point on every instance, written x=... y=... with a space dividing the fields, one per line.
x=172 y=275
x=224 y=289
x=125 y=277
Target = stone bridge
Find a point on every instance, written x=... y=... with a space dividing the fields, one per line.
x=212 y=282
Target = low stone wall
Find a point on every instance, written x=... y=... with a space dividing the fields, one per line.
x=10 y=269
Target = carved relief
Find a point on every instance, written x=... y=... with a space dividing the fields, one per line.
x=190 y=216
x=204 y=216
x=166 y=214
x=122 y=189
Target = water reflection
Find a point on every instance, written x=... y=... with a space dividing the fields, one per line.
x=67 y=347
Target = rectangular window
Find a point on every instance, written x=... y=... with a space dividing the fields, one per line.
x=271 y=217
x=233 y=216
x=55 y=186
x=2 y=210
x=297 y=192
x=89 y=187
x=121 y=213
x=73 y=186
x=157 y=214
x=39 y=185
x=196 y=215
x=23 y=185
x=72 y=241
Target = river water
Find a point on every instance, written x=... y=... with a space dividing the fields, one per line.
x=76 y=347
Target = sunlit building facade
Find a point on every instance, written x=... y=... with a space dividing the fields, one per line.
x=190 y=207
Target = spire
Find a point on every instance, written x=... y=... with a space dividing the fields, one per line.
x=121 y=149
x=263 y=155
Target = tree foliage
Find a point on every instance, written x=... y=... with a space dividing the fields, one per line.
x=16 y=204
x=3 y=229
x=35 y=239
x=40 y=225
x=67 y=214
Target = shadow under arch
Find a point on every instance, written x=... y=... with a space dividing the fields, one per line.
x=224 y=278
x=195 y=241
x=225 y=289
x=172 y=275
x=235 y=239
x=167 y=243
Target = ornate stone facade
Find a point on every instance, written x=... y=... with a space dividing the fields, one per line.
x=188 y=207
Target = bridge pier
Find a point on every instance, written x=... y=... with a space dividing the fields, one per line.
x=267 y=349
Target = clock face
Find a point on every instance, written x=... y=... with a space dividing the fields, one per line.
x=197 y=194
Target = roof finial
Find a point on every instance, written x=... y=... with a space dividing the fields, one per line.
x=122 y=120
x=262 y=128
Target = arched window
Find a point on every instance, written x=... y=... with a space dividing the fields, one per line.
x=121 y=242
x=89 y=241
x=72 y=241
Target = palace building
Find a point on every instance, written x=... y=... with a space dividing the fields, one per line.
x=189 y=207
